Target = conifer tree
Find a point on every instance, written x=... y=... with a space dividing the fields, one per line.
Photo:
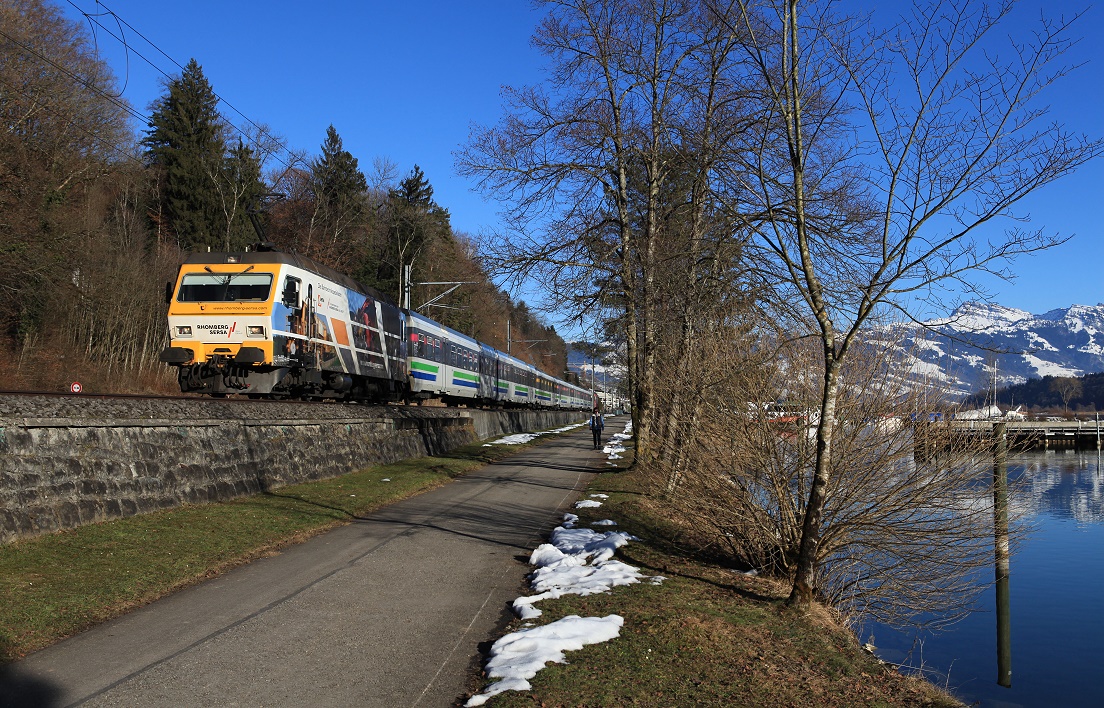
x=338 y=187
x=186 y=142
x=415 y=222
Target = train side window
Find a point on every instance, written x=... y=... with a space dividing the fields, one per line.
x=290 y=296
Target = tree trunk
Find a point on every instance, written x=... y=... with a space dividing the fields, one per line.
x=804 y=586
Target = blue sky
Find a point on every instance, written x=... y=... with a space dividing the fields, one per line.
x=406 y=81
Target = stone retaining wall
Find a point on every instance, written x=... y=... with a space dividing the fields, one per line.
x=69 y=461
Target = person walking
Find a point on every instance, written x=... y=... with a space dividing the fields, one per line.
x=596 y=426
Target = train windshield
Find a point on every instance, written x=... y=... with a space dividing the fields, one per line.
x=225 y=287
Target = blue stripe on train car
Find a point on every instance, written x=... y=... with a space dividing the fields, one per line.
x=423 y=376
x=462 y=382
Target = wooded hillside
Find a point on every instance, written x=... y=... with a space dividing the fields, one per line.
x=95 y=217
x=1051 y=393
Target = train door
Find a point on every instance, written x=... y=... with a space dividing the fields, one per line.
x=488 y=374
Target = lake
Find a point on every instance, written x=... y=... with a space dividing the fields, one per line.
x=1057 y=597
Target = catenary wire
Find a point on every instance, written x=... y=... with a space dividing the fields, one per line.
x=83 y=82
x=122 y=152
x=130 y=48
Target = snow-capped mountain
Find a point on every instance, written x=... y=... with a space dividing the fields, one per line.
x=958 y=351
x=601 y=366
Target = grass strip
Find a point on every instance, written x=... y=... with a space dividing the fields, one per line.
x=56 y=585
x=707 y=635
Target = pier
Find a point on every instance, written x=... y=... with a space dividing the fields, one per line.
x=1040 y=434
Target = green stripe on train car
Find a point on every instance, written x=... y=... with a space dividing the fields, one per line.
x=431 y=368
x=466 y=376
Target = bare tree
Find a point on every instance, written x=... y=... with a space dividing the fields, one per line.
x=62 y=128
x=610 y=163
x=887 y=157
x=1067 y=388
x=908 y=517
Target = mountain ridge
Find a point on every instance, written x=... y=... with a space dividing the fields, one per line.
x=958 y=351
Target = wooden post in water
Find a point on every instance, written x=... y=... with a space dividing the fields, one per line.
x=1001 y=552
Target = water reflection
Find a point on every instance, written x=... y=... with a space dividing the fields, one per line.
x=1056 y=575
x=1001 y=557
x=1063 y=484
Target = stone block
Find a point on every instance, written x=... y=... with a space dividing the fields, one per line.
x=68 y=515
x=93 y=487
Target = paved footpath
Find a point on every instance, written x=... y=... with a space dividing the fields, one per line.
x=388 y=611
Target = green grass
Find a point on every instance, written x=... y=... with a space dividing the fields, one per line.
x=56 y=585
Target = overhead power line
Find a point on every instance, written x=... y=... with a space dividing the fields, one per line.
x=79 y=79
x=122 y=152
x=93 y=18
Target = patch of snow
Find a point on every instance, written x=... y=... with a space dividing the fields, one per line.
x=924 y=368
x=587 y=504
x=518 y=657
x=1049 y=368
x=928 y=345
x=574 y=562
x=981 y=317
x=520 y=438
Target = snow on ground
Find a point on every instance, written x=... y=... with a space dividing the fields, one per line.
x=521 y=438
x=1048 y=368
x=518 y=657
x=616 y=444
x=576 y=561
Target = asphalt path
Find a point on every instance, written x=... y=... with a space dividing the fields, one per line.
x=391 y=610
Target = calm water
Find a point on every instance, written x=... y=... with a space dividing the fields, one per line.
x=1057 y=599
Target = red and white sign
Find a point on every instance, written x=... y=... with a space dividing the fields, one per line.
x=76 y=387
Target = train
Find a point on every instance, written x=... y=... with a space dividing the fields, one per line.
x=270 y=324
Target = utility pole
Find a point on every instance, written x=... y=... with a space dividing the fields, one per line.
x=404 y=286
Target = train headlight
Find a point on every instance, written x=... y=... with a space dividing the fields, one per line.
x=184 y=330
x=255 y=331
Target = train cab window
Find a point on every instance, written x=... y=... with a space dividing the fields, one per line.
x=225 y=287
